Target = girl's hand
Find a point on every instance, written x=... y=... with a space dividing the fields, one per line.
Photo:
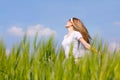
x=95 y=50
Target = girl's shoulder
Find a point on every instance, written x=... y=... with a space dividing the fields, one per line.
x=77 y=32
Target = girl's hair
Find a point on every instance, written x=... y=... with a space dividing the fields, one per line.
x=79 y=26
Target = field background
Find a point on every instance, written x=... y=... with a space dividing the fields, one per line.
x=44 y=62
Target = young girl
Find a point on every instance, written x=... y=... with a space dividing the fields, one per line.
x=77 y=33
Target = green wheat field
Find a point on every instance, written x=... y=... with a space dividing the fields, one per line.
x=44 y=62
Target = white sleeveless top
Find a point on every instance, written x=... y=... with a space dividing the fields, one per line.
x=74 y=39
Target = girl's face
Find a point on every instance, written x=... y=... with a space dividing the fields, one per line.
x=69 y=25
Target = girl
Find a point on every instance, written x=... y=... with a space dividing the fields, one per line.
x=77 y=33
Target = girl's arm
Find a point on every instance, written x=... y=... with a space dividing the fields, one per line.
x=85 y=43
x=88 y=46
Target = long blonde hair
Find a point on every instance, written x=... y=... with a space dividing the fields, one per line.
x=79 y=26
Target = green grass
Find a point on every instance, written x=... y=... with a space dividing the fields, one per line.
x=43 y=62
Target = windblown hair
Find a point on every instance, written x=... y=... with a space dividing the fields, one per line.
x=79 y=26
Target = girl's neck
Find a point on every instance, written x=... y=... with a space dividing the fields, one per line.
x=70 y=31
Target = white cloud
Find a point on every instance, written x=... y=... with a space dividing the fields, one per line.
x=17 y=31
x=42 y=31
x=32 y=30
x=117 y=23
x=114 y=45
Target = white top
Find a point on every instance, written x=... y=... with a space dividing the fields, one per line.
x=74 y=39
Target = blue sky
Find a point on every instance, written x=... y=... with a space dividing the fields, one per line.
x=19 y=16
